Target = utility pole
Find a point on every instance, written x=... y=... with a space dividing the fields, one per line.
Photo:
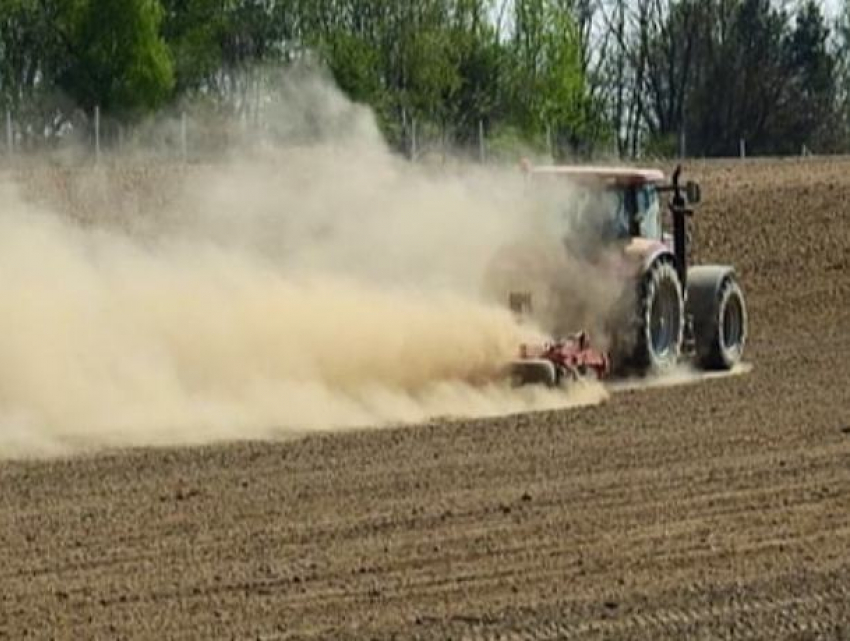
x=184 y=143
x=482 y=143
x=10 y=134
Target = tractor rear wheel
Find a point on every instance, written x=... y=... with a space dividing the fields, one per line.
x=660 y=322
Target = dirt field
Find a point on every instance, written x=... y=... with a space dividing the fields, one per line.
x=720 y=510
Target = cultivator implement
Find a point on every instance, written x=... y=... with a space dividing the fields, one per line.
x=559 y=362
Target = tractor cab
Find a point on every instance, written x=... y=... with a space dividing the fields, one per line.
x=618 y=203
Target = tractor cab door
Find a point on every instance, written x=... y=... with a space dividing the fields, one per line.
x=637 y=213
x=645 y=210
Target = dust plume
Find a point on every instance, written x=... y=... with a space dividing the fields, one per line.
x=684 y=374
x=317 y=281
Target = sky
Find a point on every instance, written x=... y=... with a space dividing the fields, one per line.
x=831 y=6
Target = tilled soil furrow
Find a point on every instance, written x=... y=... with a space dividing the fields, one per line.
x=724 y=613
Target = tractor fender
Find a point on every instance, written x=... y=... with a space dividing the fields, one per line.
x=660 y=253
x=704 y=282
x=643 y=254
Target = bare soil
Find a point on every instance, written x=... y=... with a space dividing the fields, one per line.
x=720 y=510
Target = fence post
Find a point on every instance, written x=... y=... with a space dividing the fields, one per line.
x=10 y=134
x=444 y=144
x=549 y=145
x=743 y=147
x=184 y=142
x=97 y=134
x=482 y=143
x=683 y=146
x=413 y=139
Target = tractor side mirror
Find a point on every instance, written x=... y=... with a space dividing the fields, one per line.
x=693 y=192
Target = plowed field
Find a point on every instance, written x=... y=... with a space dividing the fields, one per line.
x=718 y=510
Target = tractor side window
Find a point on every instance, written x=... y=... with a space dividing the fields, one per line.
x=648 y=212
x=592 y=219
x=617 y=223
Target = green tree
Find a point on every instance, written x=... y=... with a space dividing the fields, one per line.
x=759 y=76
x=842 y=73
x=194 y=31
x=450 y=64
x=480 y=63
x=30 y=52
x=116 y=58
x=547 y=85
x=741 y=79
x=809 y=117
x=674 y=50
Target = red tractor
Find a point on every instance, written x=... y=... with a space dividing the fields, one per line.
x=672 y=311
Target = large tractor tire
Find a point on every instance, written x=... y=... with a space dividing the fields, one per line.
x=660 y=320
x=719 y=311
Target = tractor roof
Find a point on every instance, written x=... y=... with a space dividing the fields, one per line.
x=616 y=175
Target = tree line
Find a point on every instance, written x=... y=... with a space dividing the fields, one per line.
x=637 y=77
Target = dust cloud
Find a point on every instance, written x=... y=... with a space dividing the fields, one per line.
x=316 y=281
x=681 y=375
